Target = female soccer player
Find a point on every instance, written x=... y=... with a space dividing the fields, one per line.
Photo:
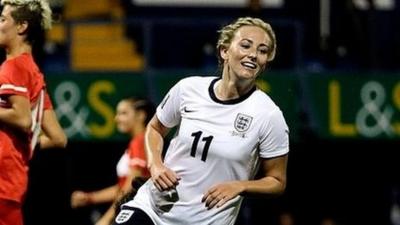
x=132 y=115
x=26 y=113
x=226 y=129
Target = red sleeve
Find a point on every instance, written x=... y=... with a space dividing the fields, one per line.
x=137 y=156
x=47 y=102
x=13 y=79
x=137 y=153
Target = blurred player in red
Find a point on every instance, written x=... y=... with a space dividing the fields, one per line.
x=27 y=118
x=132 y=116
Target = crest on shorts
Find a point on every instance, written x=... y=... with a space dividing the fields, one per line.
x=124 y=215
x=242 y=122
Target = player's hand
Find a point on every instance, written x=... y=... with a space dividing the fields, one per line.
x=219 y=194
x=163 y=177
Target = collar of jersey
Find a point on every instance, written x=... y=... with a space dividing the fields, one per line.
x=230 y=101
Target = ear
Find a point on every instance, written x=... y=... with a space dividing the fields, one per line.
x=22 y=27
x=223 y=52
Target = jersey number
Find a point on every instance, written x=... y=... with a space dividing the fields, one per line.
x=197 y=136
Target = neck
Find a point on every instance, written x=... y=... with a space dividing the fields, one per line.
x=137 y=130
x=18 y=49
x=230 y=88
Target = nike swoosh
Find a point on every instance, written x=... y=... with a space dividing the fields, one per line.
x=187 y=110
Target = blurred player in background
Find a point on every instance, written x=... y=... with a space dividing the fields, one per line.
x=27 y=118
x=132 y=115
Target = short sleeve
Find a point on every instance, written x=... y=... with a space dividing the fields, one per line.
x=13 y=81
x=168 y=111
x=47 y=101
x=137 y=154
x=275 y=136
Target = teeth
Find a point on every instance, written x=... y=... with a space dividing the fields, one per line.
x=250 y=65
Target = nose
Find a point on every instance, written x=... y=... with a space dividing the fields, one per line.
x=252 y=55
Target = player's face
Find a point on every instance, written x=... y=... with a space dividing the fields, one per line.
x=8 y=27
x=247 y=54
x=125 y=117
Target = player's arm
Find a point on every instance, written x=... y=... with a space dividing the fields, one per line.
x=18 y=114
x=163 y=177
x=274 y=180
x=105 y=195
x=271 y=184
x=273 y=168
x=52 y=135
x=154 y=141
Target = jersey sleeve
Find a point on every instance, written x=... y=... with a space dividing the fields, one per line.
x=13 y=81
x=275 y=136
x=137 y=155
x=168 y=111
x=47 y=101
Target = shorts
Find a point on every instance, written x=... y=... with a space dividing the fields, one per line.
x=132 y=216
x=10 y=213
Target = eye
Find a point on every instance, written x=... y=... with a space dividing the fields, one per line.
x=245 y=45
x=264 y=50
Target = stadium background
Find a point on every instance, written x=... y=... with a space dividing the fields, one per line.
x=334 y=59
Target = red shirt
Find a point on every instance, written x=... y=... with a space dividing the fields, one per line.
x=18 y=76
x=134 y=158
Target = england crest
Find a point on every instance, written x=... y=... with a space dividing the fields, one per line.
x=242 y=122
x=124 y=216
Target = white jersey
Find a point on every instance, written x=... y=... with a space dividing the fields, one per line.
x=216 y=141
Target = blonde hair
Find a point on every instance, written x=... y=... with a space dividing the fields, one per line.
x=227 y=33
x=39 y=8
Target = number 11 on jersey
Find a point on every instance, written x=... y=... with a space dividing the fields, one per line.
x=197 y=135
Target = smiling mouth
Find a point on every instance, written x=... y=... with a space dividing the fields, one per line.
x=249 y=65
